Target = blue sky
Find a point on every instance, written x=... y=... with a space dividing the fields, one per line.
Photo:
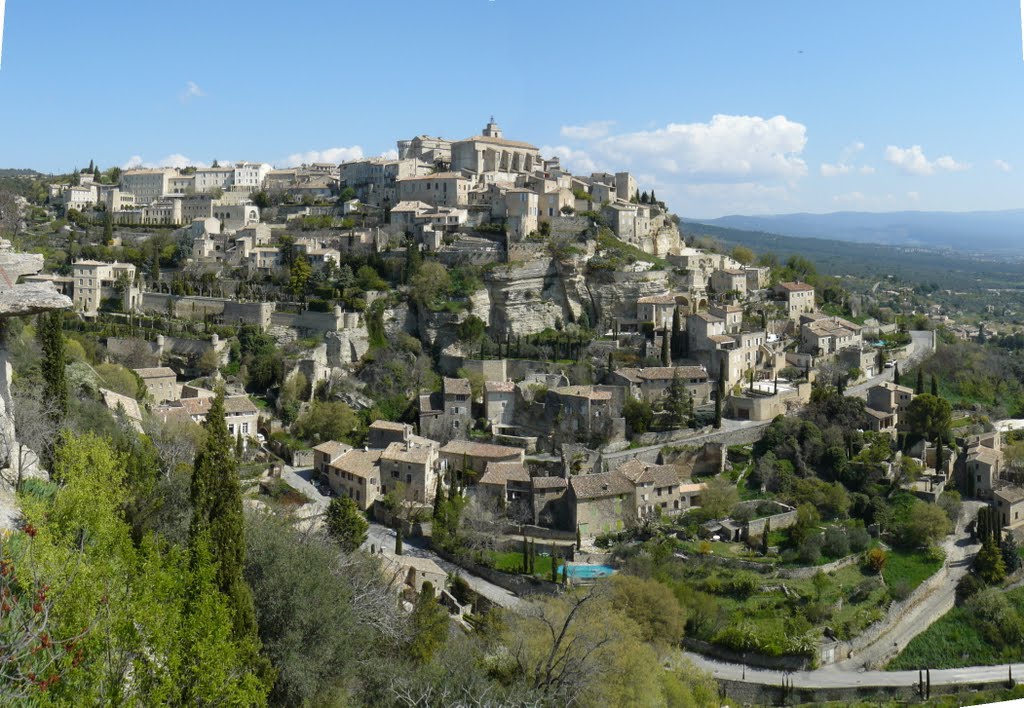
x=722 y=107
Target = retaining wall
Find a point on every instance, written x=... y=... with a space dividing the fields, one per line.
x=760 y=694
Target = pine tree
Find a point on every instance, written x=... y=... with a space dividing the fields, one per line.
x=55 y=385
x=345 y=524
x=919 y=388
x=217 y=523
x=935 y=386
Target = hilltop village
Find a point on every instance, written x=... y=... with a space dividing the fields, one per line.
x=533 y=378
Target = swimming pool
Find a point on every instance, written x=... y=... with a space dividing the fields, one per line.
x=589 y=572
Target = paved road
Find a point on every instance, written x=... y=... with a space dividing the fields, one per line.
x=382 y=537
x=920 y=346
x=960 y=552
x=821 y=678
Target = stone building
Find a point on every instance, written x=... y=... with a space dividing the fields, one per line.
x=491 y=153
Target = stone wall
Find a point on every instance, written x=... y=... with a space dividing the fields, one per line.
x=521 y=585
x=830 y=652
x=779 y=521
x=744 y=436
x=194 y=307
x=750 y=693
x=788 y=662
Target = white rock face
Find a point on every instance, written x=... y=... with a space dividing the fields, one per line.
x=346 y=347
x=527 y=297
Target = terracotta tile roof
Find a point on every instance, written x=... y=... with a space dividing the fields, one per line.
x=598 y=486
x=496 y=141
x=661 y=373
x=332 y=448
x=361 y=463
x=388 y=425
x=583 y=392
x=666 y=299
x=457 y=387
x=794 y=287
x=475 y=449
x=503 y=472
x=156 y=372
x=639 y=472
x=499 y=386
x=550 y=483
x=1010 y=494
x=399 y=452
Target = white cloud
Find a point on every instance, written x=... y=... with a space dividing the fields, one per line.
x=173 y=160
x=191 y=91
x=576 y=161
x=835 y=170
x=1002 y=165
x=912 y=160
x=844 y=166
x=914 y=196
x=334 y=155
x=849 y=198
x=390 y=154
x=727 y=148
x=588 y=131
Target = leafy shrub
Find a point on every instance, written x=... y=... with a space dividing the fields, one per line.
x=859 y=539
x=835 y=544
x=900 y=590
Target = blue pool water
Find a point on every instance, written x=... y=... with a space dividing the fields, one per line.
x=589 y=572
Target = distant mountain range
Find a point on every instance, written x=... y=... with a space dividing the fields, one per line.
x=991 y=232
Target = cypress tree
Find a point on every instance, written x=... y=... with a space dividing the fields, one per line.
x=55 y=385
x=666 y=352
x=935 y=386
x=217 y=521
x=398 y=539
x=438 y=498
x=919 y=388
x=896 y=372
x=611 y=368
x=720 y=395
x=764 y=537
x=677 y=333
x=579 y=538
x=554 y=567
x=108 y=228
x=939 y=453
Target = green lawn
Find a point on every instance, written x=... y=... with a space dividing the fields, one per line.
x=512 y=562
x=954 y=641
x=913 y=567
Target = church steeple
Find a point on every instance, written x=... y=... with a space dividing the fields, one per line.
x=492 y=130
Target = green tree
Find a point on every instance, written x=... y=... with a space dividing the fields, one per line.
x=666 y=348
x=217 y=526
x=428 y=286
x=718 y=498
x=989 y=563
x=926 y=524
x=327 y=420
x=300 y=274
x=430 y=625
x=346 y=524
x=54 y=364
x=935 y=386
x=929 y=417
x=638 y=415
x=678 y=401
x=919 y=386
x=108 y=228
x=413 y=262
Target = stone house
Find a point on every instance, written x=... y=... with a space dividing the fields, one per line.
x=658 y=489
x=499 y=402
x=356 y=474
x=326 y=453
x=601 y=503
x=161 y=383
x=984 y=466
x=729 y=281
x=447 y=415
x=413 y=463
x=652 y=383
x=886 y=401
x=757 y=277
x=797 y=299
x=579 y=412
x=823 y=336
x=548 y=498
x=732 y=315
x=464 y=456
x=445 y=189
x=657 y=310
x=492 y=155
x=384 y=432
x=95 y=282
x=504 y=485
x=1009 y=504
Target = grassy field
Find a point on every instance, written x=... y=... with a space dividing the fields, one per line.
x=954 y=641
x=512 y=562
x=912 y=567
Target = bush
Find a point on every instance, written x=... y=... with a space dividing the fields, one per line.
x=836 y=544
x=859 y=539
x=875 y=559
x=900 y=590
x=810 y=550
